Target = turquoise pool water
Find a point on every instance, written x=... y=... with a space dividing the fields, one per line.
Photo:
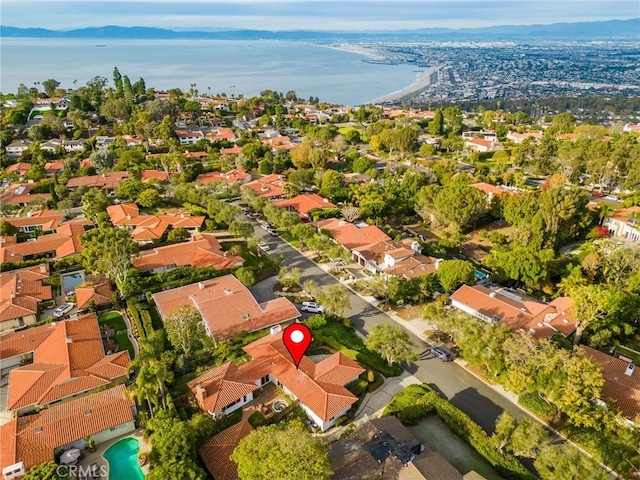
x=479 y=275
x=72 y=280
x=123 y=460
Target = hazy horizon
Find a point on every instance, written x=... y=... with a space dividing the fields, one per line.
x=326 y=15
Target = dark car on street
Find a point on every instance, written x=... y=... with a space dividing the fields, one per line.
x=442 y=353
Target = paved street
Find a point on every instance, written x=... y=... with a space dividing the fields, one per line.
x=480 y=401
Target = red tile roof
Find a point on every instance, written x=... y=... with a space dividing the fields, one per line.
x=64 y=242
x=268 y=186
x=32 y=439
x=518 y=311
x=318 y=386
x=624 y=389
x=305 y=202
x=150 y=227
x=235 y=150
x=215 y=452
x=489 y=189
x=47 y=219
x=237 y=175
x=352 y=237
x=201 y=250
x=108 y=180
x=227 y=306
x=99 y=291
x=147 y=175
x=21 y=291
x=623 y=214
x=20 y=193
x=67 y=361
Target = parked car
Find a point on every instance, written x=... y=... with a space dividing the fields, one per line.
x=597 y=194
x=63 y=309
x=442 y=353
x=611 y=197
x=272 y=231
x=311 y=307
x=264 y=247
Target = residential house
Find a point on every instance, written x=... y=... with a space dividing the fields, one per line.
x=630 y=127
x=318 y=387
x=160 y=175
x=20 y=169
x=21 y=292
x=482 y=145
x=227 y=306
x=518 y=311
x=21 y=194
x=521 y=137
x=624 y=223
x=484 y=134
x=351 y=236
x=195 y=155
x=95 y=291
x=235 y=150
x=402 y=258
x=221 y=133
x=107 y=180
x=63 y=243
x=54 y=167
x=51 y=145
x=384 y=449
x=200 y=251
x=34 y=439
x=490 y=190
x=15 y=148
x=304 y=203
x=237 y=175
x=215 y=452
x=103 y=141
x=68 y=145
x=147 y=228
x=67 y=360
x=133 y=140
x=44 y=220
x=269 y=186
x=621 y=382
x=189 y=138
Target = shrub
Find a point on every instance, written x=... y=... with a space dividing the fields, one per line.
x=257 y=419
x=370 y=376
x=535 y=404
x=147 y=324
x=316 y=322
x=134 y=314
x=357 y=387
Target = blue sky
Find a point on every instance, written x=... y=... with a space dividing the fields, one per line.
x=309 y=14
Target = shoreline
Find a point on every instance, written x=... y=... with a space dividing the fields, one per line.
x=423 y=81
x=354 y=48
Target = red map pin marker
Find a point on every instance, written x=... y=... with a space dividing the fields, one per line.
x=297 y=338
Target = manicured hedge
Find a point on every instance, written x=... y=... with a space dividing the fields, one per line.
x=533 y=403
x=147 y=323
x=134 y=315
x=417 y=401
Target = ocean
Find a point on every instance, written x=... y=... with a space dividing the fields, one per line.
x=231 y=67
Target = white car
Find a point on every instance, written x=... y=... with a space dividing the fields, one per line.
x=264 y=247
x=311 y=307
x=63 y=309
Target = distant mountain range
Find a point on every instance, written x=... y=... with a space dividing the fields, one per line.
x=585 y=31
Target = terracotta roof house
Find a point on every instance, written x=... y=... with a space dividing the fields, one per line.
x=403 y=258
x=624 y=223
x=148 y=175
x=221 y=133
x=34 y=439
x=20 y=168
x=384 y=449
x=482 y=145
x=44 y=219
x=107 y=180
x=63 y=243
x=520 y=137
x=268 y=186
x=490 y=190
x=20 y=293
x=201 y=250
x=53 y=167
x=319 y=388
x=353 y=236
x=146 y=228
x=68 y=361
x=97 y=290
x=227 y=306
x=235 y=150
x=215 y=452
x=515 y=310
x=304 y=203
x=621 y=382
x=20 y=194
x=237 y=175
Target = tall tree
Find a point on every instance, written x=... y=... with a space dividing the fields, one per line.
x=565 y=462
x=109 y=250
x=392 y=342
x=286 y=452
x=453 y=273
x=184 y=328
x=50 y=86
x=335 y=300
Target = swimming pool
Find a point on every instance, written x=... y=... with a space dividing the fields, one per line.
x=123 y=460
x=72 y=280
x=479 y=275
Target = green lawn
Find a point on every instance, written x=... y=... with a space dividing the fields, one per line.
x=115 y=321
x=361 y=131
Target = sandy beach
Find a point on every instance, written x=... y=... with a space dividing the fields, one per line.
x=423 y=81
x=368 y=52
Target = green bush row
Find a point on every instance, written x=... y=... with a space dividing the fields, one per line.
x=535 y=404
x=357 y=387
x=147 y=323
x=134 y=314
x=417 y=401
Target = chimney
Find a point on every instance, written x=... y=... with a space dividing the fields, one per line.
x=275 y=329
x=13 y=294
x=492 y=294
x=128 y=216
x=228 y=292
x=43 y=268
x=69 y=340
x=200 y=393
x=629 y=371
x=201 y=285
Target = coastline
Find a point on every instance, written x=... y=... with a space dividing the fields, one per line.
x=423 y=81
x=368 y=52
